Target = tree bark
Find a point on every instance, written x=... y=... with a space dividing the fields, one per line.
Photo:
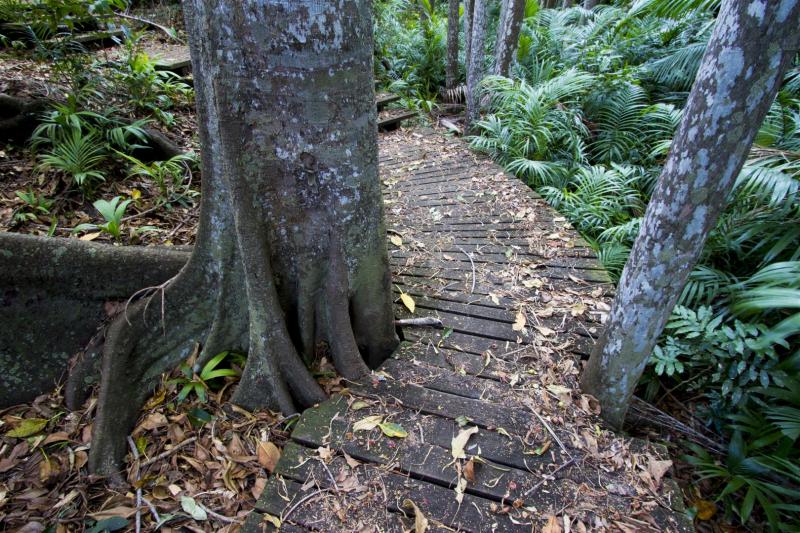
x=291 y=253
x=469 y=6
x=511 y=15
x=751 y=47
x=475 y=67
x=451 y=72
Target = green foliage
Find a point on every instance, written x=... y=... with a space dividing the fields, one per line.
x=150 y=90
x=170 y=175
x=112 y=212
x=199 y=382
x=78 y=157
x=34 y=206
x=587 y=120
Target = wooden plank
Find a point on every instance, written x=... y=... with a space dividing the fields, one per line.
x=436 y=502
x=394 y=120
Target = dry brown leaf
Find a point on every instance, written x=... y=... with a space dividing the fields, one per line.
x=420 y=521
x=657 y=469
x=368 y=424
x=469 y=470
x=268 y=455
x=459 y=442
x=545 y=331
x=519 y=322
x=552 y=525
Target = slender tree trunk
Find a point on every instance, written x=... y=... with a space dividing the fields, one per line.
x=291 y=252
x=469 y=6
x=566 y=3
x=452 y=45
x=589 y=4
x=508 y=29
x=751 y=47
x=475 y=69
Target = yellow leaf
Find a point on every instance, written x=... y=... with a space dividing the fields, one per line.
x=705 y=509
x=408 y=301
x=390 y=429
x=359 y=404
x=519 y=322
x=368 y=424
x=420 y=522
x=136 y=194
x=90 y=236
x=27 y=427
x=268 y=455
x=459 y=442
x=396 y=240
x=274 y=520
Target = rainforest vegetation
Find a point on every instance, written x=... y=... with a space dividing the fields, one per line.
x=585 y=118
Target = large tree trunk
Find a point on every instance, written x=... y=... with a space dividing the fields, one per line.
x=291 y=251
x=475 y=67
x=451 y=72
x=511 y=16
x=740 y=74
x=469 y=6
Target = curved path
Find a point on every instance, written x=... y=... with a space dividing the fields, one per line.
x=521 y=299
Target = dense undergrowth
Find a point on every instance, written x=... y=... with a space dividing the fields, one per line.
x=586 y=120
x=97 y=132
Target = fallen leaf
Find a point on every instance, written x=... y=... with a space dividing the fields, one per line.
x=396 y=240
x=274 y=520
x=420 y=522
x=359 y=404
x=519 y=322
x=552 y=525
x=459 y=442
x=390 y=429
x=705 y=509
x=90 y=236
x=545 y=331
x=408 y=301
x=352 y=463
x=189 y=505
x=122 y=510
x=368 y=424
x=27 y=427
x=268 y=455
x=469 y=470
x=657 y=469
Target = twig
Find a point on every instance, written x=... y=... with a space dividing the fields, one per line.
x=553 y=473
x=471 y=262
x=221 y=518
x=552 y=433
x=421 y=321
x=301 y=501
x=169 y=452
x=135 y=453
x=153 y=511
x=166 y=30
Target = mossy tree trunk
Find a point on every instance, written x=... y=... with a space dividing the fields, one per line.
x=451 y=69
x=752 y=46
x=475 y=66
x=511 y=14
x=291 y=250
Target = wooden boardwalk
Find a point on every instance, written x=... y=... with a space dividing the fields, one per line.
x=478 y=426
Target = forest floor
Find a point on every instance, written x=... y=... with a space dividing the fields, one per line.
x=202 y=466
